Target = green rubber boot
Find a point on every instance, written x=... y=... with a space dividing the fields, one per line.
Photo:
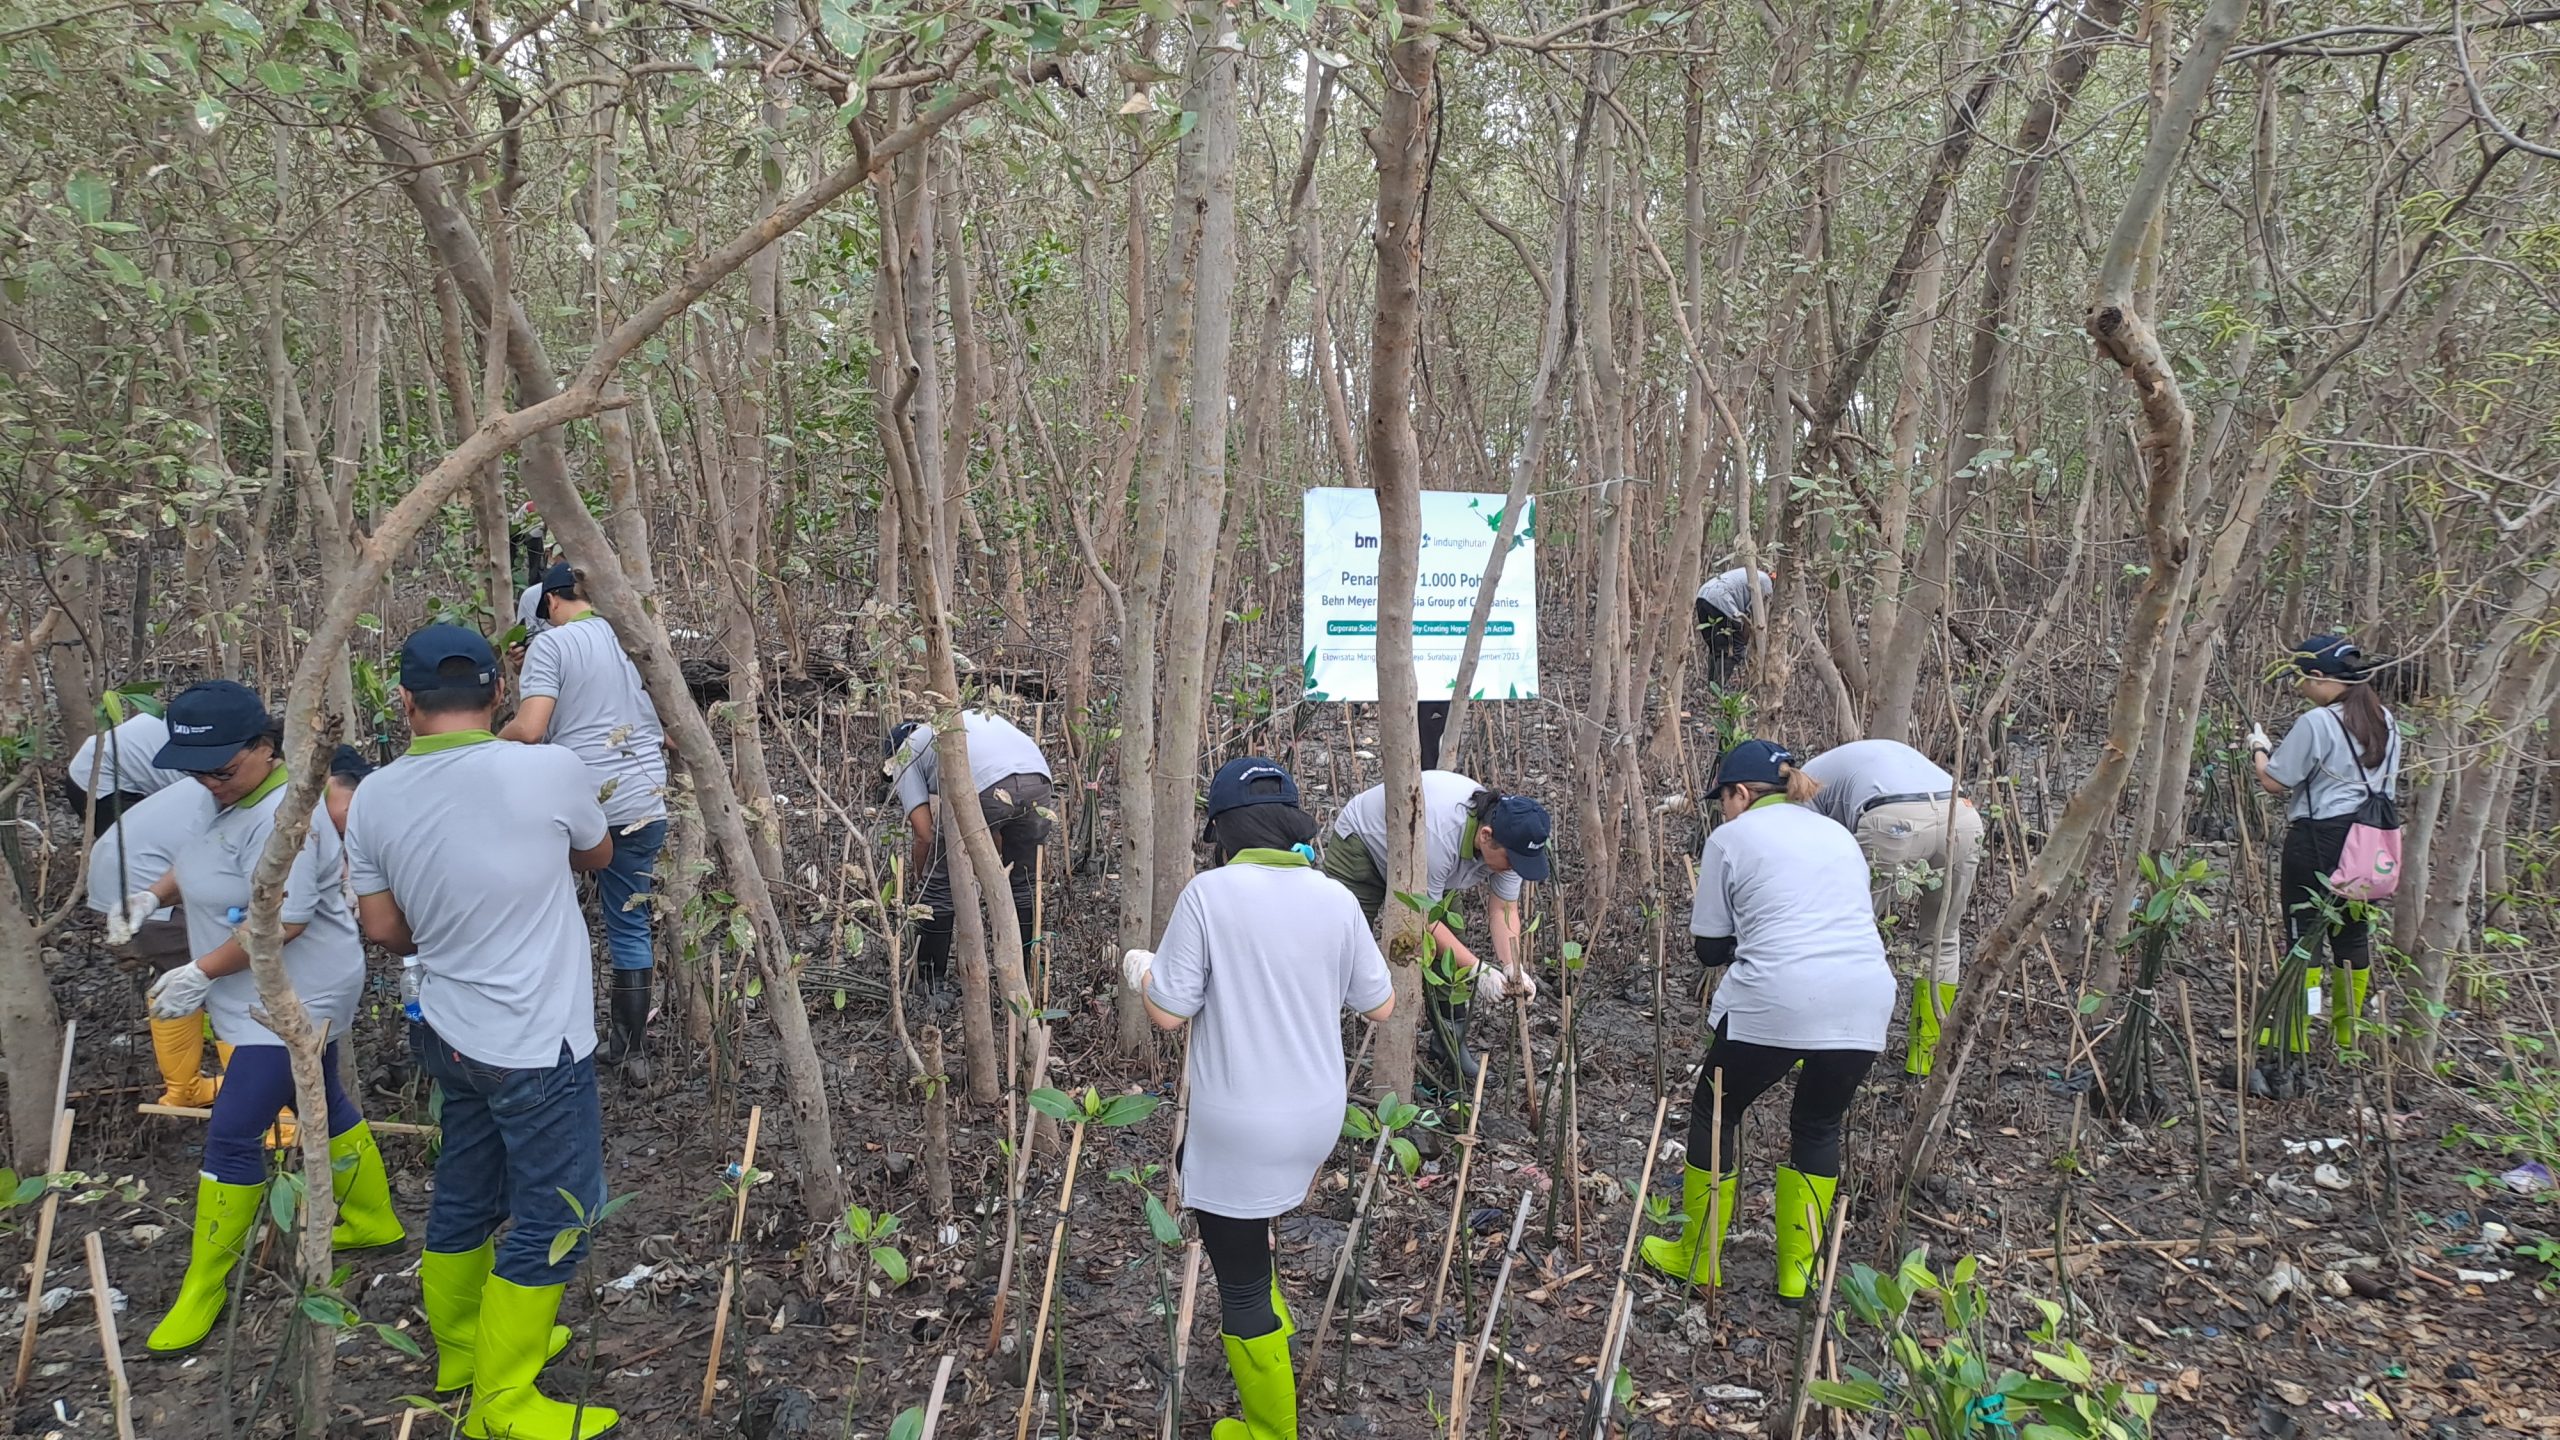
x=226 y=1215
x=1804 y=1211
x=450 y=1285
x=513 y=1341
x=2346 y=1006
x=1931 y=1004
x=1266 y=1389
x=1706 y=1209
x=363 y=1189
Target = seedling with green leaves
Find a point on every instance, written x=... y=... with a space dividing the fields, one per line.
x=2172 y=902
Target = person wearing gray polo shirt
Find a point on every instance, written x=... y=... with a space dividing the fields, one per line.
x=463 y=853
x=1011 y=779
x=112 y=770
x=1921 y=839
x=1471 y=835
x=1260 y=958
x=580 y=691
x=138 y=849
x=1724 y=620
x=1780 y=907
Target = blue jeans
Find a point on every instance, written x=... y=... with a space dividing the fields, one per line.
x=632 y=873
x=256 y=1084
x=513 y=1141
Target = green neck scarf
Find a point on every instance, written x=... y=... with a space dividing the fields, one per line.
x=449 y=740
x=1277 y=858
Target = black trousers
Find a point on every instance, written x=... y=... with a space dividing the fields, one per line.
x=1823 y=1092
x=2311 y=851
x=111 y=805
x=1727 y=640
x=1434 y=719
x=1240 y=1260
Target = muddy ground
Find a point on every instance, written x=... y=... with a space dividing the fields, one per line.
x=2383 y=1331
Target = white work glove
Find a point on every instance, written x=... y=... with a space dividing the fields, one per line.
x=1492 y=984
x=128 y=917
x=1134 y=967
x=180 y=993
x=2258 y=738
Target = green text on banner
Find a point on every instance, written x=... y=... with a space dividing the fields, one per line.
x=1458 y=534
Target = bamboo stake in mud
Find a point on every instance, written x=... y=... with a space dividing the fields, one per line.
x=1342 y=1262
x=1808 y=1347
x=729 y=1272
x=1458 y=1205
x=1049 y=1288
x=119 y=1390
x=1715 y=1194
x=56 y=1157
x=1182 y=1340
x=1462 y=1373
x=1017 y=1176
x=933 y=1402
x=1604 y=1384
x=1626 y=1257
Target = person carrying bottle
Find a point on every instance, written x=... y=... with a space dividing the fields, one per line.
x=1011 y=779
x=1471 y=835
x=464 y=853
x=578 y=690
x=1917 y=833
x=1260 y=958
x=221 y=734
x=1782 y=901
x=2345 y=749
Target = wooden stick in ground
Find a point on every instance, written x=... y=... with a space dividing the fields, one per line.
x=1821 y=1309
x=1342 y=1262
x=1049 y=1287
x=1017 y=1176
x=1627 y=1257
x=1528 y=1059
x=1715 y=1192
x=119 y=1392
x=933 y=1402
x=1182 y=1340
x=56 y=1158
x=199 y=1112
x=408 y=1418
x=1463 y=1373
x=729 y=1272
x=1605 y=1383
x=1457 y=1206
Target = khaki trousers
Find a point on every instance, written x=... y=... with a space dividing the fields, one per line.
x=1916 y=850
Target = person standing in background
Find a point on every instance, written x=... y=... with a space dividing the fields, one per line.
x=578 y=690
x=1916 y=832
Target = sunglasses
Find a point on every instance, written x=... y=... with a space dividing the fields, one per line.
x=226 y=774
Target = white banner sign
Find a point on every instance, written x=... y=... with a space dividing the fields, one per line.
x=1458 y=531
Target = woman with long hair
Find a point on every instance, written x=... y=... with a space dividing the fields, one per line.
x=1261 y=957
x=2345 y=749
x=1782 y=906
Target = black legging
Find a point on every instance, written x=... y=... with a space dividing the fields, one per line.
x=1433 y=719
x=1823 y=1092
x=2311 y=851
x=1240 y=1258
x=1727 y=639
x=111 y=806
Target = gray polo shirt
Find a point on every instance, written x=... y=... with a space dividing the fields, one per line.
x=2319 y=763
x=1264 y=955
x=144 y=843
x=325 y=962
x=1809 y=970
x=1730 y=592
x=471 y=836
x=602 y=714
x=529 y=611
x=1445 y=827
x=997 y=748
x=103 y=769
x=1855 y=774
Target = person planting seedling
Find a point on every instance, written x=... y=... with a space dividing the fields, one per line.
x=1260 y=959
x=1011 y=779
x=1782 y=901
x=1472 y=835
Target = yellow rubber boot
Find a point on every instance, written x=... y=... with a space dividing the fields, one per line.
x=451 y=1284
x=1804 y=1212
x=1931 y=1004
x=1706 y=1209
x=178 y=1046
x=226 y=1215
x=512 y=1342
x=1266 y=1390
x=363 y=1190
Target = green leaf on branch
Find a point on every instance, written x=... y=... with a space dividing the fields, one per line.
x=1056 y=1104
x=1122 y=1110
x=89 y=196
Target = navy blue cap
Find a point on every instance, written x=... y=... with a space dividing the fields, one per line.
x=2334 y=657
x=1753 y=762
x=1251 y=780
x=1520 y=825
x=208 y=724
x=559 y=579
x=890 y=743
x=424 y=653
x=348 y=763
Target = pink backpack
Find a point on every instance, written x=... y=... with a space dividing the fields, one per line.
x=2369 y=864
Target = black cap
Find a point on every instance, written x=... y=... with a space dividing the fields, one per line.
x=209 y=722
x=1753 y=762
x=560 y=579
x=1521 y=826
x=423 y=655
x=348 y=764
x=2332 y=657
x=889 y=744
x=1250 y=781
